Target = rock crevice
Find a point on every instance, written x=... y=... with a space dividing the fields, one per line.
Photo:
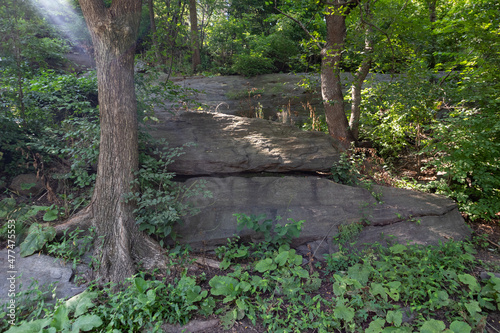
x=255 y=166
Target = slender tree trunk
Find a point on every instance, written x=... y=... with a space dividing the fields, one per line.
x=331 y=88
x=432 y=19
x=360 y=77
x=154 y=36
x=193 y=16
x=114 y=33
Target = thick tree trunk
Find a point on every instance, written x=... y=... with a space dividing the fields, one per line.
x=193 y=17
x=114 y=33
x=331 y=88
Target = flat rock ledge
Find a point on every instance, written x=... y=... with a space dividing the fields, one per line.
x=410 y=216
x=226 y=144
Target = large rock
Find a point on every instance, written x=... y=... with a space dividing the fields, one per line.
x=40 y=268
x=231 y=144
x=27 y=184
x=324 y=205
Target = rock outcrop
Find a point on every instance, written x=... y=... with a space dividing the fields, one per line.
x=325 y=206
x=246 y=164
x=225 y=144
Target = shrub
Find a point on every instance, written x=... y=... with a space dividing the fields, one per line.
x=160 y=200
x=253 y=63
x=468 y=144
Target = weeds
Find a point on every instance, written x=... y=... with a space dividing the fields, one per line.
x=403 y=288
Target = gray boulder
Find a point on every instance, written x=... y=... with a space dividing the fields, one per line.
x=44 y=269
x=325 y=206
x=231 y=144
x=27 y=184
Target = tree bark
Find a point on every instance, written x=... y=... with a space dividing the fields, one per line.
x=122 y=245
x=331 y=88
x=193 y=17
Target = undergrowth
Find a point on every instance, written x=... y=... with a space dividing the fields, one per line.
x=399 y=288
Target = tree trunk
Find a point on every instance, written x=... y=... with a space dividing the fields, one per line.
x=193 y=16
x=331 y=88
x=114 y=32
x=360 y=77
x=154 y=36
x=432 y=20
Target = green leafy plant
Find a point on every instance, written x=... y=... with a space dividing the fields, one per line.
x=346 y=170
x=36 y=239
x=31 y=305
x=272 y=232
x=149 y=303
x=252 y=64
x=72 y=246
x=161 y=201
x=467 y=145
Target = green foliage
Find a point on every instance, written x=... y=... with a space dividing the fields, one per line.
x=141 y=304
x=149 y=303
x=396 y=115
x=280 y=272
x=347 y=170
x=76 y=139
x=72 y=246
x=438 y=272
x=273 y=232
x=160 y=201
x=339 y=261
x=31 y=306
x=348 y=233
x=52 y=97
x=231 y=252
x=24 y=215
x=468 y=144
x=169 y=48
x=36 y=239
x=252 y=64
x=48 y=98
x=12 y=141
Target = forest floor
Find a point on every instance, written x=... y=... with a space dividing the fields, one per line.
x=486 y=238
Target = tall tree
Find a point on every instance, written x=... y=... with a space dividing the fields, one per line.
x=195 y=40
x=154 y=34
x=335 y=13
x=114 y=32
x=331 y=87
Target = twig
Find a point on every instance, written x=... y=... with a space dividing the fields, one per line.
x=299 y=23
x=492 y=327
x=493 y=243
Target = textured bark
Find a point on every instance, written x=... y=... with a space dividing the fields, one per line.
x=331 y=89
x=193 y=17
x=114 y=33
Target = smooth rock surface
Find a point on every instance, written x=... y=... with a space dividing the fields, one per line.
x=42 y=268
x=324 y=205
x=231 y=144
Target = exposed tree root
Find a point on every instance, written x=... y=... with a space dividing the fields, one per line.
x=120 y=256
x=81 y=220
